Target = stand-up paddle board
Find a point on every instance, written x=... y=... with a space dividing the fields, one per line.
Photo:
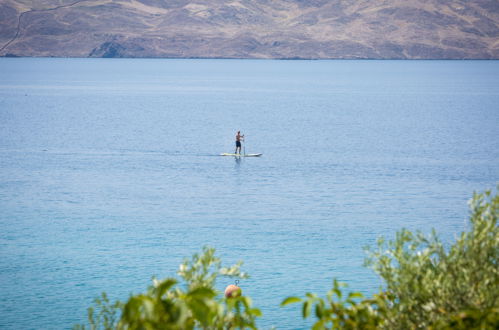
x=241 y=155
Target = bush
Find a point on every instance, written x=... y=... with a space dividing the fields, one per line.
x=426 y=285
x=167 y=305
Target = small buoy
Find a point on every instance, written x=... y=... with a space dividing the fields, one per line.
x=232 y=291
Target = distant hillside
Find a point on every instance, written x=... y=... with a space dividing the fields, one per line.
x=396 y=29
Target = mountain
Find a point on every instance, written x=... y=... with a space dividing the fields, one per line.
x=316 y=29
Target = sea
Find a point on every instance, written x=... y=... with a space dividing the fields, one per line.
x=110 y=173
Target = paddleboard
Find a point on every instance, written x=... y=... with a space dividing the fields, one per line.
x=241 y=155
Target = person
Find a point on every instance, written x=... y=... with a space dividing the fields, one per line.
x=239 y=137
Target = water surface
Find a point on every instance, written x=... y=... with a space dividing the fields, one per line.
x=109 y=172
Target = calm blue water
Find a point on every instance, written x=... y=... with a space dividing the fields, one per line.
x=109 y=173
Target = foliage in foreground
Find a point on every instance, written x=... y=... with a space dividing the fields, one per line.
x=168 y=305
x=426 y=285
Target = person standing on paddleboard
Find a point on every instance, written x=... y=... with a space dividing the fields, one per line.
x=239 y=137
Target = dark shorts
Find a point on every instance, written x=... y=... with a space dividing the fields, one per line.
x=238 y=144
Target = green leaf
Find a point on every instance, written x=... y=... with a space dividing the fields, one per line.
x=255 y=312
x=290 y=300
x=307 y=307
x=202 y=292
x=164 y=286
x=319 y=311
x=353 y=295
x=311 y=295
x=319 y=325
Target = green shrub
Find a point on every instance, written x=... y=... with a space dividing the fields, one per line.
x=337 y=312
x=107 y=314
x=167 y=305
x=432 y=285
x=426 y=285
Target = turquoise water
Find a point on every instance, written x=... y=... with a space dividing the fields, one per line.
x=109 y=172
